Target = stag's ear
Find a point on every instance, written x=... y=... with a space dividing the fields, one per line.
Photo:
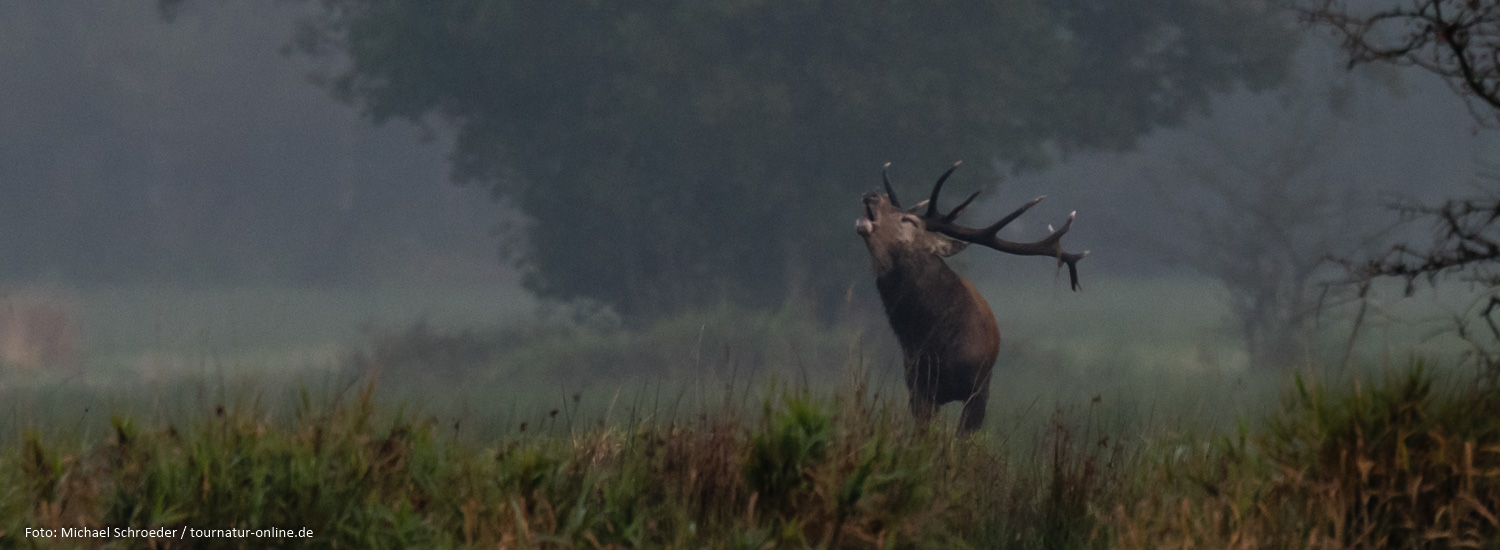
x=944 y=246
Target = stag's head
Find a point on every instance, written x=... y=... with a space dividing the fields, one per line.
x=894 y=234
x=891 y=233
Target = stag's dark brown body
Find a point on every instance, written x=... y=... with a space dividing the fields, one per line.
x=948 y=336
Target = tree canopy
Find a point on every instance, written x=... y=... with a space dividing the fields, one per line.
x=674 y=154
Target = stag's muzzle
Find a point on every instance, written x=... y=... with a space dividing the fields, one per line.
x=864 y=225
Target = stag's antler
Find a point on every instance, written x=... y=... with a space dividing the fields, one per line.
x=885 y=178
x=1051 y=245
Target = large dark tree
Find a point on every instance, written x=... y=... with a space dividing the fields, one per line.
x=671 y=154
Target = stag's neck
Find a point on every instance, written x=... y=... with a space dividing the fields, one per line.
x=914 y=273
x=922 y=294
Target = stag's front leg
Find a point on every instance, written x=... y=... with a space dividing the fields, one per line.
x=973 y=415
x=921 y=388
x=923 y=407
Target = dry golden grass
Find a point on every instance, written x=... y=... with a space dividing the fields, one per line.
x=1393 y=464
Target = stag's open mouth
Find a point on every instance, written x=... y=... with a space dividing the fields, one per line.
x=863 y=226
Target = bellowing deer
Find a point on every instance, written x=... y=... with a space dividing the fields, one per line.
x=947 y=333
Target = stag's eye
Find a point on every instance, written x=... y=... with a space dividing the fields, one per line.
x=908 y=220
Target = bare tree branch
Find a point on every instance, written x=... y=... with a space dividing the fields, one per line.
x=1458 y=40
x=1466 y=244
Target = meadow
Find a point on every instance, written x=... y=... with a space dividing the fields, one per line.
x=461 y=419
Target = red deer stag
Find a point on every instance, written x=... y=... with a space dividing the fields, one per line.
x=947 y=333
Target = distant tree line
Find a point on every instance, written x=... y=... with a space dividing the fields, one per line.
x=669 y=155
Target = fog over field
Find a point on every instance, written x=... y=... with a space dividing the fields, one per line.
x=186 y=191
x=582 y=274
x=182 y=195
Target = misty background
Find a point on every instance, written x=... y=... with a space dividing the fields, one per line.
x=181 y=193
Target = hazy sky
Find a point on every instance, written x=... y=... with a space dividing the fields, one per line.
x=197 y=143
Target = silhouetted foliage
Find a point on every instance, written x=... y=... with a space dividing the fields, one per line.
x=682 y=153
x=1458 y=41
x=1465 y=243
x=1466 y=246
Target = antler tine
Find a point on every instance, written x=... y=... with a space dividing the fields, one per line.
x=889 y=192
x=1057 y=234
x=1051 y=245
x=997 y=226
x=1072 y=261
x=932 y=202
x=960 y=208
x=1055 y=239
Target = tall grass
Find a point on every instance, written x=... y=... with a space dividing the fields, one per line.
x=1407 y=460
x=837 y=471
x=1392 y=462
